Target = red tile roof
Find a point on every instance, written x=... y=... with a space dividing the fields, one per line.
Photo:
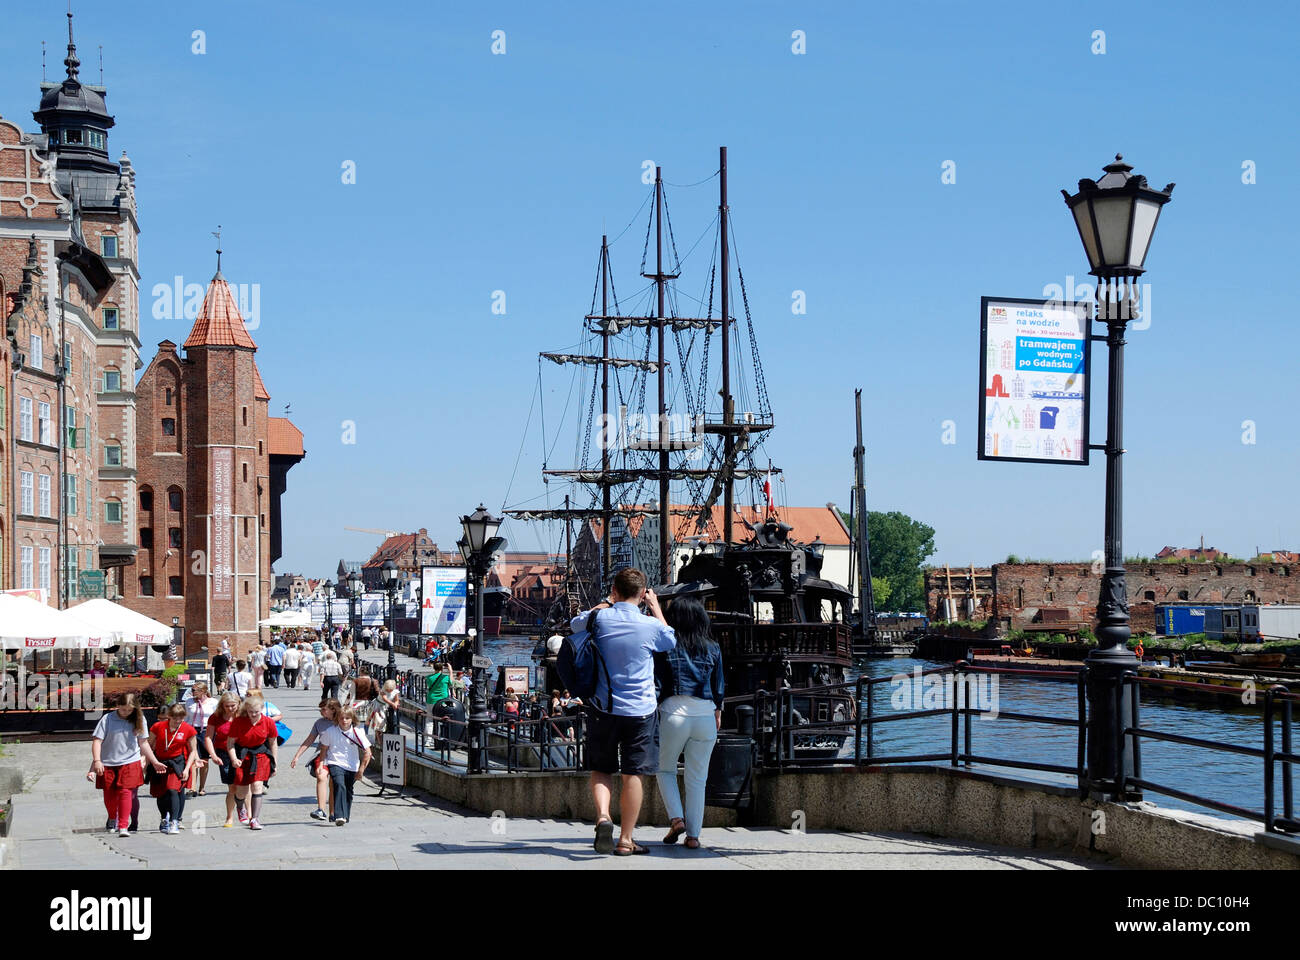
x=283 y=438
x=808 y=524
x=259 y=388
x=219 y=323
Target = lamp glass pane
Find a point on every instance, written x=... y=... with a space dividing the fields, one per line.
x=1144 y=225
x=1112 y=227
x=1083 y=220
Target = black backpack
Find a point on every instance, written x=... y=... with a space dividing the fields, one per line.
x=577 y=659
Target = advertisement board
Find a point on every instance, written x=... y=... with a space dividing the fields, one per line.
x=1034 y=380
x=443 y=600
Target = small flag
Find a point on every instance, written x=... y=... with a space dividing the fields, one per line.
x=767 y=489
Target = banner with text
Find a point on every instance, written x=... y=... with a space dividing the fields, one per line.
x=1033 y=405
x=222 y=558
x=443 y=603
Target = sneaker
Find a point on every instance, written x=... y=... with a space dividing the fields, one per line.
x=243 y=814
x=124 y=833
x=254 y=825
x=339 y=822
x=173 y=828
x=166 y=823
x=318 y=814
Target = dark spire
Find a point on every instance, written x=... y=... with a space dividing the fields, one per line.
x=72 y=63
x=217 y=233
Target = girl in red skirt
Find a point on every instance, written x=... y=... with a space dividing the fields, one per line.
x=115 y=767
x=251 y=745
x=174 y=743
x=217 y=742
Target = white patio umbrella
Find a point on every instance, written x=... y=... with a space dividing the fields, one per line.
x=124 y=624
x=26 y=624
x=287 y=618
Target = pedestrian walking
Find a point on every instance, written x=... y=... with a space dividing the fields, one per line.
x=329 y=717
x=275 y=663
x=623 y=734
x=242 y=680
x=257 y=664
x=217 y=742
x=252 y=749
x=199 y=707
x=690 y=715
x=366 y=637
x=220 y=667
x=331 y=675
x=308 y=665
x=174 y=743
x=437 y=685
x=292 y=663
x=347 y=754
x=390 y=705
x=116 y=747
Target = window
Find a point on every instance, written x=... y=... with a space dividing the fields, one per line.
x=110 y=243
x=37 y=357
x=112 y=381
x=245 y=473
x=1182 y=594
x=26 y=480
x=45 y=568
x=110 y=318
x=174 y=500
x=259 y=448
x=70 y=494
x=25 y=574
x=24 y=418
x=169 y=396
x=245 y=413
x=146 y=538
x=112 y=511
x=112 y=455
x=43 y=484
x=146 y=586
x=246 y=528
x=146 y=500
x=96 y=139
x=67 y=358
x=1250 y=595
x=245 y=588
x=1149 y=595
x=2 y=408
x=174 y=537
x=70 y=572
x=174 y=588
x=70 y=426
x=43 y=422
x=72 y=136
x=168 y=427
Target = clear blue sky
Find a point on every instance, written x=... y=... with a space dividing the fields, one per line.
x=478 y=173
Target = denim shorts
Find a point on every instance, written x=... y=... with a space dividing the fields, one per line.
x=635 y=738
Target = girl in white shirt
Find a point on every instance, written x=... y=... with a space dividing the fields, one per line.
x=345 y=750
x=199 y=707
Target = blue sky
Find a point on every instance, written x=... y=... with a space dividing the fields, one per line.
x=478 y=172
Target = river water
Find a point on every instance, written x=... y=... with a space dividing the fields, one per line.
x=1226 y=777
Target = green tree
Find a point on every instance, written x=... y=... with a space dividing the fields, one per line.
x=899 y=548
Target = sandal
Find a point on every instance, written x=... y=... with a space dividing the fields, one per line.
x=627 y=849
x=692 y=843
x=676 y=827
x=203 y=793
x=605 y=837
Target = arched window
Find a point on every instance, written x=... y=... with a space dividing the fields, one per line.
x=1182 y=594
x=1150 y=595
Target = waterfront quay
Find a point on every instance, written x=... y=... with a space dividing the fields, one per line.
x=59 y=825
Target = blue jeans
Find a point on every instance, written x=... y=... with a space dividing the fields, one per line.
x=343 y=781
x=695 y=736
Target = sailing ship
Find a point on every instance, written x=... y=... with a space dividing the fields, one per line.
x=664 y=473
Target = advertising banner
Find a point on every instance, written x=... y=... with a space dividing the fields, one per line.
x=443 y=607
x=1034 y=380
x=223 y=550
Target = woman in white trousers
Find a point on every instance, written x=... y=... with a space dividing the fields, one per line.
x=690 y=715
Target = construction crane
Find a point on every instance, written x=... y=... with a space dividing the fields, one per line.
x=385 y=533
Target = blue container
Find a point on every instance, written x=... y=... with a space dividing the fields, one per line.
x=1175 y=619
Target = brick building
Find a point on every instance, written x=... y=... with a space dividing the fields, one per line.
x=1021 y=593
x=409 y=552
x=70 y=290
x=212 y=465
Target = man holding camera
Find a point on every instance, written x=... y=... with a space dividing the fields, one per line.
x=627 y=721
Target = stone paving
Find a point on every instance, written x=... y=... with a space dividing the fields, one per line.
x=59 y=824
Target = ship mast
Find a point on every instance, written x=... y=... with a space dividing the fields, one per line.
x=661 y=281
x=866 y=596
x=729 y=439
x=606 y=514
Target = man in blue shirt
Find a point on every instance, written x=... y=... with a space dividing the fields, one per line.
x=274 y=663
x=625 y=719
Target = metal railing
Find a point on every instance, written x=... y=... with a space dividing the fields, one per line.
x=1277 y=707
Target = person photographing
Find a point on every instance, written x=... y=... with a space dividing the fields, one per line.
x=623 y=722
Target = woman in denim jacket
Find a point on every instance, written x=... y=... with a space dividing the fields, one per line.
x=690 y=715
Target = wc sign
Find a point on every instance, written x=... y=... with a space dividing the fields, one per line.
x=1034 y=380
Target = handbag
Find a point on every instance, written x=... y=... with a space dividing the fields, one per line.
x=283 y=732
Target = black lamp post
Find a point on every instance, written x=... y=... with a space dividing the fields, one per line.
x=1116 y=217
x=354 y=599
x=388 y=577
x=327 y=588
x=477 y=546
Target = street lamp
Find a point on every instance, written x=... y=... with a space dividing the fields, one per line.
x=354 y=597
x=1116 y=217
x=477 y=546
x=388 y=578
x=327 y=588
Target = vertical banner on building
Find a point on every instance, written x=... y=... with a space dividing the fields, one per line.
x=1034 y=380
x=443 y=600
x=222 y=561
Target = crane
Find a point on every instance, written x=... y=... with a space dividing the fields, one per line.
x=386 y=533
